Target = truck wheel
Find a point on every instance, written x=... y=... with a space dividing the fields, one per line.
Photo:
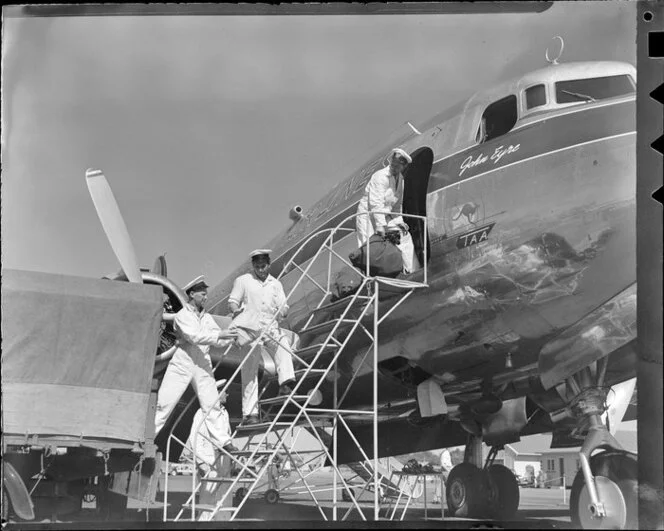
x=272 y=496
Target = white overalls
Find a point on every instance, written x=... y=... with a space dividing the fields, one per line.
x=260 y=302
x=191 y=363
x=384 y=192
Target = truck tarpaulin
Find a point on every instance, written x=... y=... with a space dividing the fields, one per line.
x=77 y=358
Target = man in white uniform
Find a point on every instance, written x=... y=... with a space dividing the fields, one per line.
x=209 y=460
x=383 y=192
x=206 y=454
x=255 y=300
x=196 y=331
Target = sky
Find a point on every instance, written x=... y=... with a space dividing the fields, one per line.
x=210 y=128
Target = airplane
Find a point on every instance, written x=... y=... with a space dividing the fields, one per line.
x=528 y=321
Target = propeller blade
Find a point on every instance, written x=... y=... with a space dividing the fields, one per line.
x=113 y=224
x=159 y=267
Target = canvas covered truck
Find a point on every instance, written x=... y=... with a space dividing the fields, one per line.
x=78 y=395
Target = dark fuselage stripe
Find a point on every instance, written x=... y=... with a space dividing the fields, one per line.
x=556 y=134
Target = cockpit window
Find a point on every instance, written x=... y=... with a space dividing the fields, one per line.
x=535 y=96
x=591 y=90
x=498 y=119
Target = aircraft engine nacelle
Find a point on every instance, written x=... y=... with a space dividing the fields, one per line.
x=295 y=213
x=172 y=289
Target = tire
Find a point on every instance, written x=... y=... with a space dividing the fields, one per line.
x=619 y=471
x=464 y=491
x=503 y=493
x=346 y=496
x=239 y=496
x=271 y=496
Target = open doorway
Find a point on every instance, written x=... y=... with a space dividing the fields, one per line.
x=416 y=184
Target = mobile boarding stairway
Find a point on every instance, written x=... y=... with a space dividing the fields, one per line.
x=323 y=337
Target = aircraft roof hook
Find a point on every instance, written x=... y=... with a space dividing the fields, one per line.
x=554 y=61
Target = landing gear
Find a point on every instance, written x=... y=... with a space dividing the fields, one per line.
x=488 y=492
x=503 y=492
x=615 y=475
x=272 y=496
x=464 y=490
x=604 y=493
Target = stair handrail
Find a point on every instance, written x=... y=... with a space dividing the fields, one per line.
x=302 y=407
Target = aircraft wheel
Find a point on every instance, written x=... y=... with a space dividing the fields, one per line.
x=346 y=495
x=464 y=490
x=503 y=493
x=272 y=496
x=616 y=480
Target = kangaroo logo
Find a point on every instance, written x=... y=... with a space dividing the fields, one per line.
x=469 y=211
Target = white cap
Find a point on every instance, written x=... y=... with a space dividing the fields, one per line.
x=198 y=280
x=220 y=383
x=259 y=252
x=401 y=153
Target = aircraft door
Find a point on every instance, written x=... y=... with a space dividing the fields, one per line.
x=416 y=183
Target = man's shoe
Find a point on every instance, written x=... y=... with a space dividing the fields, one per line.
x=251 y=419
x=286 y=388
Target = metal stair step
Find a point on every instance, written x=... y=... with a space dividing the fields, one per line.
x=282 y=398
x=251 y=452
x=319 y=415
x=327 y=326
x=300 y=373
x=397 y=284
x=262 y=426
x=341 y=303
x=317 y=418
x=207 y=507
x=228 y=480
x=312 y=349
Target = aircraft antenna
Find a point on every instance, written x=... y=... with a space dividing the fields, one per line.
x=413 y=128
x=554 y=61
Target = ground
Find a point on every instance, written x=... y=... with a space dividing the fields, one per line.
x=538 y=507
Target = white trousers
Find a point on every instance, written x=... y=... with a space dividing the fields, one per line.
x=277 y=346
x=208 y=491
x=363 y=227
x=180 y=372
x=205 y=450
x=407 y=248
